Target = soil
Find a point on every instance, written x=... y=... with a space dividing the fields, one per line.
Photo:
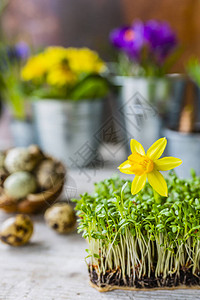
x=114 y=278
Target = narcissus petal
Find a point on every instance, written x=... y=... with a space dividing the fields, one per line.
x=137 y=147
x=125 y=167
x=138 y=183
x=157 y=149
x=167 y=163
x=158 y=183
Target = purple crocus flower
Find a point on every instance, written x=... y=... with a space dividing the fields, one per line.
x=118 y=37
x=160 y=38
x=129 y=39
x=157 y=38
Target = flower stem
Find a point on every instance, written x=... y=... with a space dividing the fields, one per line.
x=157 y=197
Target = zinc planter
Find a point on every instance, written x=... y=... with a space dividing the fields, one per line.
x=68 y=130
x=197 y=104
x=22 y=132
x=185 y=146
x=146 y=103
x=178 y=85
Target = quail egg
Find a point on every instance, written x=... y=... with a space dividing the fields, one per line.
x=36 y=153
x=19 y=159
x=61 y=217
x=49 y=173
x=20 y=184
x=3 y=175
x=16 y=231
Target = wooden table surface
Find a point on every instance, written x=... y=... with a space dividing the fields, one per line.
x=52 y=266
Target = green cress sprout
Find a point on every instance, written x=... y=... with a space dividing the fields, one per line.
x=139 y=235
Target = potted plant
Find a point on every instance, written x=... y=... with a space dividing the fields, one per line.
x=139 y=237
x=68 y=87
x=193 y=70
x=147 y=50
x=13 y=91
x=184 y=139
x=3 y=6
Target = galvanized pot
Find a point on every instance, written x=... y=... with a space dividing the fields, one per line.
x=185 y=146
x=22 y=132
x=197 y=104
x=178 y=84
x=68 y=130
x=145 y=103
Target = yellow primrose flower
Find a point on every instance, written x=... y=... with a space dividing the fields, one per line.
x=84 y=60
x=55 y=51
x=58 y=66
x=148 y=165
x=60 y=76
x=55 y=56
x=35 y=68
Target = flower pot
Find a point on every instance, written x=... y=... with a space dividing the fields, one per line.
x=22 y=132
x=197 y=103
x=68 y=130
x=146 y=103
x=178 y=84
x=186 y=147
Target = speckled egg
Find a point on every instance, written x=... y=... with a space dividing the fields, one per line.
x=49 y=173
x=19 y=159
x=16 y=231
x=2 y=159
x=36 y=153
x=20 y=184
x=61 y=217
x=3 y=175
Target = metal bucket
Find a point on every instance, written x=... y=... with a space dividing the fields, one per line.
x=145 y=103
x=177 y=93
x=140 y=98
x=185 y=146
x=68 y=130
x=197 y=104
x=22 y=132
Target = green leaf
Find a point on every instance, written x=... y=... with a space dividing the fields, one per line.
x=174 y=229
x=92 y=87
x=122 y=222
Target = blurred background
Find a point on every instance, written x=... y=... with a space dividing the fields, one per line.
x=142 y=107
x=88 y=23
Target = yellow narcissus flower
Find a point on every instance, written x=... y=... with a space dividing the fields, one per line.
x=148 y=165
